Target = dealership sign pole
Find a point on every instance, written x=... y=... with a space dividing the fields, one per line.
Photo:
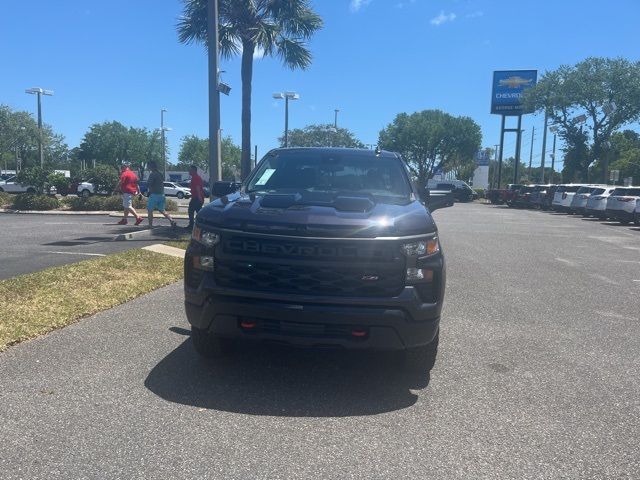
x=506 y=100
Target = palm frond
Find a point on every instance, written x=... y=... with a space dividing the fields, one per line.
x=293 y=53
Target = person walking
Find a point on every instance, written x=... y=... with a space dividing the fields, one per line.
x=156 y=200
x=197 y=195
x=128 y=187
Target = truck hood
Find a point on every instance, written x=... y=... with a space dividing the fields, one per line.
x=318 y=215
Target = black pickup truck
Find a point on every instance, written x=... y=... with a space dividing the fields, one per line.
x=321 y=247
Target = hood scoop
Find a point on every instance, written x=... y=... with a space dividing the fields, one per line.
x=353 y=204
x=280 y=200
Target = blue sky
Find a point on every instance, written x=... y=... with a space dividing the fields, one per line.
x=120 y=60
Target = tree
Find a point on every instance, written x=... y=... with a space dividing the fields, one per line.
x=105 y=178
x=19 y=140
x=321 y=135
x=34 y=177
x=111 y=143
x=432 y=137
x=278 y=28
x=195 y=151
x=588 y=102
x=625 y=153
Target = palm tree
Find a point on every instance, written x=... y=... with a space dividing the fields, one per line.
x=280 y=28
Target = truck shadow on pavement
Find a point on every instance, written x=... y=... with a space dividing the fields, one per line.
x=280 y=381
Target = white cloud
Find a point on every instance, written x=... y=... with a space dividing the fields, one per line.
x=477 y=14
x=443 y=18
x=356 y=5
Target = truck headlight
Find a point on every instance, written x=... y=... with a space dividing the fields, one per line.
x=208 y=239
x=422 y=248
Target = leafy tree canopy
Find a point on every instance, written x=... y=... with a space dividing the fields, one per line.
x=19 y=131
x=195 y=151
x=432 y=137
x=322 y=135
x=588 y=102
x=111 y=143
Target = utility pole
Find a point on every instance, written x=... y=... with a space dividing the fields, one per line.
x=164 y=149
x=39 y=92
x=335 y=121
x=255 y=158
x=553 y=159
x=544 y=144
x=533 y=136
x=214 y=94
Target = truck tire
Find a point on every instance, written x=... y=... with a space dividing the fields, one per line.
x=31 y=190
x=85 y=193
x=422 y=359
x=208 y=345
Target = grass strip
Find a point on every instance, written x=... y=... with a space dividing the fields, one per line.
x=36 y=303
x=183 y=244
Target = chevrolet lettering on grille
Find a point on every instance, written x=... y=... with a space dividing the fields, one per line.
x=253 y=246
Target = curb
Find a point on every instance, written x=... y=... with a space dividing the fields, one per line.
x=52 y=212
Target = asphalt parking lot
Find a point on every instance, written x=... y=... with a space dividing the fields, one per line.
x=538 y=377
x=33 y=242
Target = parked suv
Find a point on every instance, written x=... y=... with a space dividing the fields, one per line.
x=597 y=202
x=563 y=196
x=621 y=204
x=579 y=201
x=325 y=247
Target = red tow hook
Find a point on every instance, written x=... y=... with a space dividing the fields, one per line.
x=248 y=324
x=358 y=332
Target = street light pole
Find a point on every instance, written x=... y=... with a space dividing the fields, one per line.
x=39 y=92
x=286 y=96
x=335 y=121
x=214 y=93
x=544 y=144
x=533 y=136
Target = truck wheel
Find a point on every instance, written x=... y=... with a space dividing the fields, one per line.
x=422 y=359
x=208 y=345
x=86 y=193
x=31 y=190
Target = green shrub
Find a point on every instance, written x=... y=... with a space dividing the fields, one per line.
x=59 y=181
x=171 y=205
x=97 y=203
x=5 y=199
x=32 y=201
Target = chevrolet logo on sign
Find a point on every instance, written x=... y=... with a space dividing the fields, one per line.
x=515 y=82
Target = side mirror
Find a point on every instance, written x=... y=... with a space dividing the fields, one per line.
x=222 y=188
x=437 y=199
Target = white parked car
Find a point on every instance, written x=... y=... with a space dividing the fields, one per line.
x=173 y=190
x=579 y=202
x=564 y=196
x=11 y=186
x=597 y=202
x=621 y=204
x=86 y=189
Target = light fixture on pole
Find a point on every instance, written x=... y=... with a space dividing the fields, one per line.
x=39 y=92
x=286 y=96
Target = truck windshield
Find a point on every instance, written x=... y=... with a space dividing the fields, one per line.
x=331 y=172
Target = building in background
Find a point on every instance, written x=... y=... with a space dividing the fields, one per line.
x=481 y=173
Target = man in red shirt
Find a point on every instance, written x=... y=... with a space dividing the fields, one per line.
x=128 y=188
x=197 y=194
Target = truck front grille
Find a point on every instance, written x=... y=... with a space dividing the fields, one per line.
x=348 y=269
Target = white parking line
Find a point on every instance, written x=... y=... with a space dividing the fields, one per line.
x=79 y=253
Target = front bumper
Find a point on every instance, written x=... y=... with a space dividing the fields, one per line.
x=395 y=323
